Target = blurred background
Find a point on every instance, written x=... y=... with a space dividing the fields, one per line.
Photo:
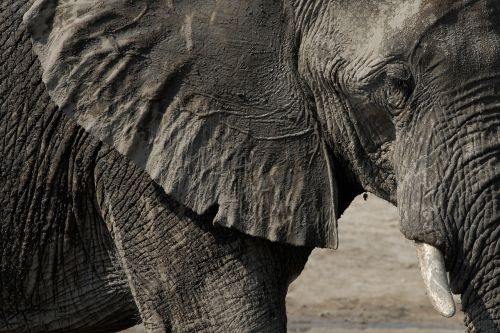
x=371 y=284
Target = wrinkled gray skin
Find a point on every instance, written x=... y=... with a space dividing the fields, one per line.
x=405 y=95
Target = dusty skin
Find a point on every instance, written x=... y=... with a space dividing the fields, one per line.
x=371 y=284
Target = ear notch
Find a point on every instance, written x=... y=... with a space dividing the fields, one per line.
x=203 y=97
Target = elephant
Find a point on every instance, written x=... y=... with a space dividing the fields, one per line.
x=176 y=161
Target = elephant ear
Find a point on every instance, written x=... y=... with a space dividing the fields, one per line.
x=203 y=96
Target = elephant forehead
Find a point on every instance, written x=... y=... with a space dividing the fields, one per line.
x=387 y=27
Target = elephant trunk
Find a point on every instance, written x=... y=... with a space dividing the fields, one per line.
x=481 y=292
x=449 y=198
x=475 y=272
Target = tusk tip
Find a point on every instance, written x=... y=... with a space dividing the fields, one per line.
x=442 y=300
x=432 y=267
x=447 y=311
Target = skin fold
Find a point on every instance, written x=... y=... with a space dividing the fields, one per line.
x=175 y=163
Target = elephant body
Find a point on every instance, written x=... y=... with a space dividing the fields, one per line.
x=176 y=161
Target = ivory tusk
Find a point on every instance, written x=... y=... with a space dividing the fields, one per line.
x=431 y=262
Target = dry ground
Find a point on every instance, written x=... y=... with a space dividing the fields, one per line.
x=371 y=284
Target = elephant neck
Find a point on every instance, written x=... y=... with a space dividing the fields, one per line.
x=474 y=266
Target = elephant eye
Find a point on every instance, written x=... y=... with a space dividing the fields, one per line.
x=395 y=90
x=397 y=94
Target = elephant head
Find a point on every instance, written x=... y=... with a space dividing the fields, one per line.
x=278 y=112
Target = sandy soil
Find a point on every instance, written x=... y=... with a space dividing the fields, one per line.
x=371 y=284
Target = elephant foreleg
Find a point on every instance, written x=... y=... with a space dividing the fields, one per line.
x=187 y=275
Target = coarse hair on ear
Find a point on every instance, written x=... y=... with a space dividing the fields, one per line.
x=203 y=96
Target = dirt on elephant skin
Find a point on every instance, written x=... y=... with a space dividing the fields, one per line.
x=371 y=284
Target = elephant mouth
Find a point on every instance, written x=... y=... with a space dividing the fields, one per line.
x=432 y=268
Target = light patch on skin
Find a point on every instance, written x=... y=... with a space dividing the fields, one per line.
x=383 y=28
x=404 y=11
x=187 y=30
x=376 y=39
x=215 y=12
x=213 y=17
x=170 y=4
x=392 y=20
